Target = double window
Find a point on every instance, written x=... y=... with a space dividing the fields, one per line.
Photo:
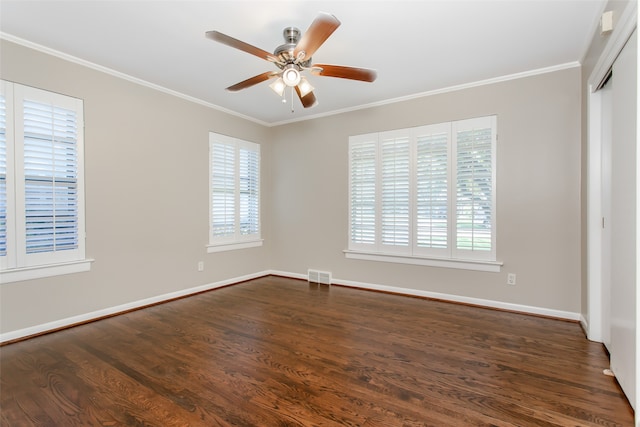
x=425 y=192
x=234 y=193
x=41 y=183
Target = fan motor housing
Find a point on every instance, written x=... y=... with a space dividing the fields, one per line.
x=284 y=52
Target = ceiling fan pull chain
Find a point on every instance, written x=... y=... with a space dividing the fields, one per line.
x=292 y=101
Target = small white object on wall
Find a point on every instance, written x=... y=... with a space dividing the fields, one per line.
x=606 y=22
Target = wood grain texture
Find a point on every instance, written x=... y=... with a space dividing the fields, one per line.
x=282 y=352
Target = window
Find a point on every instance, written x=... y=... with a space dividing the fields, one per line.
x=234 y=193
x=41 y=183
x=425 y=193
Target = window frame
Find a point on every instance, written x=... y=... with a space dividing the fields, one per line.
x=18 y=264
x=236 y=240
x=412 y=253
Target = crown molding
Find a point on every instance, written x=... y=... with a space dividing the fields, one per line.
x=70 y=58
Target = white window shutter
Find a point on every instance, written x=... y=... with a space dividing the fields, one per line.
x=425 y=192
x=249 y=176
x=475 y=184
x=362 y=191
x=49 y=177
x=3 y=179
x=432 y=189
x=223 y=189
x=7 y=181
x=395 y=183
x=234 y=190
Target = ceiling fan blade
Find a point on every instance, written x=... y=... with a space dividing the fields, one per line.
x=319 y=31
x=309 y=100
x=252 y=81
x=245 y=47
x=352 y=73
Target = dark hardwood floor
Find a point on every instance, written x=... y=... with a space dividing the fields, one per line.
x=282 y=352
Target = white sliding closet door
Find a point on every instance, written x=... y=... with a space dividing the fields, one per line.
x=623 y=219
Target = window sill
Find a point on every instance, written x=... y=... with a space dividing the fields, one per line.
x=233 y=246
x=41 y=271
x=463 y=264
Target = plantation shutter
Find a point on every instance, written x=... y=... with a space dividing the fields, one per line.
x=3 y=178
x=424 y=192
x=395 y=191
x=41 y=183
x=249 y=173
x=475 y=201
x=432 y=188
x=235 y=190
x=50 y=177
x=362 y=198
x=223 y=190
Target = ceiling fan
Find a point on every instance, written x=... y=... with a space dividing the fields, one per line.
x=293 y=57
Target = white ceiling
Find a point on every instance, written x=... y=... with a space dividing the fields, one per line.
x=415 y=46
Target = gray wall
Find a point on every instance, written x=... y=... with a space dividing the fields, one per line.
x=146 y=163
x=146 y=193
x=538 y=192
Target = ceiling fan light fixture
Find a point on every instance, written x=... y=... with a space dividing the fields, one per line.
x=278 y=86
x=291 y=76
x=305 y=87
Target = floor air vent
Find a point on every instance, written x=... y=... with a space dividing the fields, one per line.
x=322 y=277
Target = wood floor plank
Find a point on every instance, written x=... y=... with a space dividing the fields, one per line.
x=282 y=352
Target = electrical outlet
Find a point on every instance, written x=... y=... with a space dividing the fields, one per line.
x=200 y=266
x=511 y=279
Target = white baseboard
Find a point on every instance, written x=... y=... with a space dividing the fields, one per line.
x=527 y=309
x=94 y=315
x=584 y=324
x=288 y=274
